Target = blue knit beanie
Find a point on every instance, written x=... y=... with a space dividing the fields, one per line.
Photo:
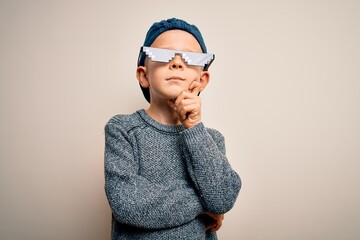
x=170 y=24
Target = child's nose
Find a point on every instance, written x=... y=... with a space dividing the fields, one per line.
x=177 y=63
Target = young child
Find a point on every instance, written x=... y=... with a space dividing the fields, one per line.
x=166 y=174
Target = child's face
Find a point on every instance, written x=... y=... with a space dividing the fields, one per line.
x=167 y=80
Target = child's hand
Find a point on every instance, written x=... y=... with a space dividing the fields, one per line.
x=188 y=105
x=216 y=224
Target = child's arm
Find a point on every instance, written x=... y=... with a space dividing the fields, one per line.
x=136 y=201
x=218 y=184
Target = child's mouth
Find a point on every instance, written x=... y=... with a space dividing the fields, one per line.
x=175 y=78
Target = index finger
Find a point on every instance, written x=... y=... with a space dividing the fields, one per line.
x=195 y=87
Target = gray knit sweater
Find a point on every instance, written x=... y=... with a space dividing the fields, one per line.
x=161 y=179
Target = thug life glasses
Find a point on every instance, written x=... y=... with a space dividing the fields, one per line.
x=166 y=55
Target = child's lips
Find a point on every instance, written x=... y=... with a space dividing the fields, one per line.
x=175 y=78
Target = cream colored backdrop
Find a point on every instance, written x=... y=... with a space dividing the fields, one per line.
x=285 y=92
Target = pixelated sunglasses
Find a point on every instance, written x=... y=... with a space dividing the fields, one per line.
x=166 y=55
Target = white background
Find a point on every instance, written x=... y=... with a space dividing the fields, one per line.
x=284 y=91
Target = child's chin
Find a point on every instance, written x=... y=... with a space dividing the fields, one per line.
x=174 y=93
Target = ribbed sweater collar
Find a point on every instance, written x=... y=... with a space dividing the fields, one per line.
x=159 y=126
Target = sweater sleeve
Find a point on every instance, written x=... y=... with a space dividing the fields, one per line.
x=217 y=183
x=136 y=201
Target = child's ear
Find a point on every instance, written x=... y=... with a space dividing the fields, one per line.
x=204 y=79
x=141 y=76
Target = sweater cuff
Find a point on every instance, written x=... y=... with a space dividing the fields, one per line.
x=195 y=134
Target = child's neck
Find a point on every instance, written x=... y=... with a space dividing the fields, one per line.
x=163 y=113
